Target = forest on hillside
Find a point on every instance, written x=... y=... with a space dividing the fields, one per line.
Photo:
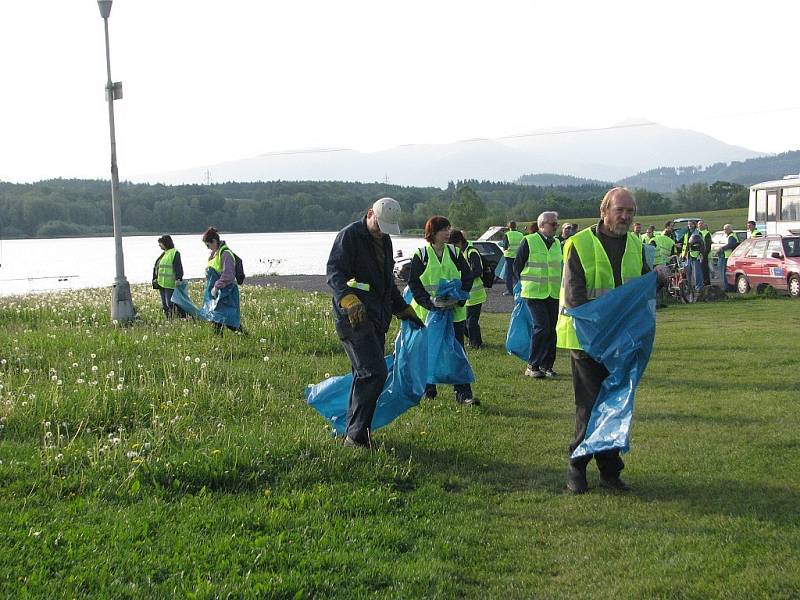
x=71 y=207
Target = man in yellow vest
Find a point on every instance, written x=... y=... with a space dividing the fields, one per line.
x=706 y=235
x=596 y=260
x=477 y=293
x=724 y=253
x=538 y=267
x=510 y=244
x=692 y=248
x=752 y=231
x=637 y=230
x=364 y=299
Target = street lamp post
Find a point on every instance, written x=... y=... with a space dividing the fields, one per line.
x=122 y=310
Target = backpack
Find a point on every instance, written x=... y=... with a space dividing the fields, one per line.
x=238 y=269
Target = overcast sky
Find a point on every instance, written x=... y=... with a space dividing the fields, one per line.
x=207 y=81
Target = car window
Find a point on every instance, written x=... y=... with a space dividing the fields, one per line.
x=742 y=235
x=774 y=246
x=741 y=249
x=757 y=250
x=792 y=246
x=718 y=238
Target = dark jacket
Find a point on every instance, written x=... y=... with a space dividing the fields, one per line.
x=418 y=267
x=354 y=256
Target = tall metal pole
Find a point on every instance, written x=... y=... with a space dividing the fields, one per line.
x=122 y=310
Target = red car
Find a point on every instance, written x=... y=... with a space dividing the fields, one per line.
x=770 y=260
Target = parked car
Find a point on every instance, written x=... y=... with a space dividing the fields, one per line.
x=771 y=260
x=720 y=239
x=681 y=225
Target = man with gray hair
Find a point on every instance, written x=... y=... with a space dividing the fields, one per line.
x=538 y=267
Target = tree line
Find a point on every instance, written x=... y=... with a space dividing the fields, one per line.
x=71 y=207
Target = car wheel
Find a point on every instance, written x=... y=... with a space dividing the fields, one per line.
x=741 y=284
x=794 y=286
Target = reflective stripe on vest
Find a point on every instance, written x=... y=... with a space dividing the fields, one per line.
x=215 y=262
x=514 y=240
x=166 y=272
x=734 y=237
x=477 y=295
x=599 y=276
x=541 y=277
x=435 y=271
x=754 y=233
x=357 y=285
x=664 y=245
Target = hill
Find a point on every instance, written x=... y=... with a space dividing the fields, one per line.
x=747 y=172
x=605 y=154
x=551 y=179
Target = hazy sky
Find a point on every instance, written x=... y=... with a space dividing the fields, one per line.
x=207 y=81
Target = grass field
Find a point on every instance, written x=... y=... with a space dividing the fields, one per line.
x=715 y=219
x=161 y=461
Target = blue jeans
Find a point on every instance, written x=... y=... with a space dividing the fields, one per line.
x=695 y=272
x=544 y=314
x=723 y=263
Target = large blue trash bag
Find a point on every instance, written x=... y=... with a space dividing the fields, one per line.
x=447 y=361
x=223 y=309
x=518 y=338
x=403 y=389
x=616 y=330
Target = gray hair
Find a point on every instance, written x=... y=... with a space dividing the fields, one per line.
x=547 y=215
x=727 y=226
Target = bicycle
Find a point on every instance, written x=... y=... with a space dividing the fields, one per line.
x=680 y=285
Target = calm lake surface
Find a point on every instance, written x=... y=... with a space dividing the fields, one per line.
x=71 y=263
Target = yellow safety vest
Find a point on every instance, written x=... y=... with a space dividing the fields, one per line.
x=514 y=240
x=541 y=277
x=664 y=245
x=215 y=262
x=435 y=271
x=754 y=233
x=599 y=276
x=166 y=273
x=477 y=295
x=685 y=245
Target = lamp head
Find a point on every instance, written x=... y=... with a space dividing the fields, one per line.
x=105 y=8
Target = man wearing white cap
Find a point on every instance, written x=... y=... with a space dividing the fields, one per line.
x=364 y=299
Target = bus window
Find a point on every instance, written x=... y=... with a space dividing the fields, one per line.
x=761 y=206
x=772 y=206
x=790 y=204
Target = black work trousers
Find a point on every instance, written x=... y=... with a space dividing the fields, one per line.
x=364 y=346
x=170 y=309
x=587 y=378
x=544 y=313
x=705 y=267
x=462 y=390
x=473 y=326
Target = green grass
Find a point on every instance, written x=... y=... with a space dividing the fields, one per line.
x=715 y=219
x=205 y=475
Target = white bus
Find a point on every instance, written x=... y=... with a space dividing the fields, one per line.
x=775 y=206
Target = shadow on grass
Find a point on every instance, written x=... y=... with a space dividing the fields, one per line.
x=730 y=420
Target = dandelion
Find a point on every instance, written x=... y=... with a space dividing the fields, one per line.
x=185 y=391
x=94 y=368
x=266 y=359
x=197 y=359
x=93 y=355
x=188 y=359
x=119 y=387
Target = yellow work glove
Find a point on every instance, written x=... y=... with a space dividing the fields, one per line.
x=409 y=314
x=356 y=312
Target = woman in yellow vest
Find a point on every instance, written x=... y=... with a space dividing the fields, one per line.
x=477 y=293
x=167 y=273
x=431 y=263
x=221 y=284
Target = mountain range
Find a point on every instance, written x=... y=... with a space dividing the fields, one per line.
x=606 y=154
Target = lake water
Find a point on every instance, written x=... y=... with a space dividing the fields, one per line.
x=71 y=263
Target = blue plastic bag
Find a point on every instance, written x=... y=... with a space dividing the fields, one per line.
x=447 y=361
x=403 y=389
x=500 y=269
x=223 y=309
x=616 y=330
x=518 y=338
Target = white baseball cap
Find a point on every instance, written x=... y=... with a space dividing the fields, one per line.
x=387 y=211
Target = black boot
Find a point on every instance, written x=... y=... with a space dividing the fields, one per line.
x=576 y=480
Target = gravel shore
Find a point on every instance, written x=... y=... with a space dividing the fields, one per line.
x=495 y=302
